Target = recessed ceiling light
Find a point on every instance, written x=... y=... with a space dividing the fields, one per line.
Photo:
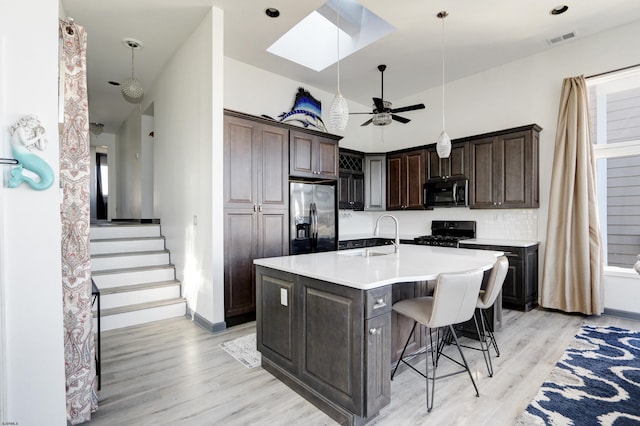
x=559 y=10
x=272 y=12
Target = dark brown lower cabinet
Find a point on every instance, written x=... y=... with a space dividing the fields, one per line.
x=520 y=288
x=401 y=326
x=328 y=342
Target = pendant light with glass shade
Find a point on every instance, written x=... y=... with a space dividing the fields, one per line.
x=132 y=90
x=339 y=111
x=443 y=145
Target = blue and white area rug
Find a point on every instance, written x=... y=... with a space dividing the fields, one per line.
x=596 y=382
x=244 y=350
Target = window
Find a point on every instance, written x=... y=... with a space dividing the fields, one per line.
x=614 y=102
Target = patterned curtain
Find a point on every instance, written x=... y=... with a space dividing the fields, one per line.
x=79 y=350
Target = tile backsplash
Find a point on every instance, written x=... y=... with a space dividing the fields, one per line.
x=511 y=224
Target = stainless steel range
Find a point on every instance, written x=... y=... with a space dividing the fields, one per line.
x=447 y=233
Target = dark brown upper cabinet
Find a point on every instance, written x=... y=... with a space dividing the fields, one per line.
x=503 y=169
x=313 y=156
x=351 y=180
x=457 y=164
x=406 y=174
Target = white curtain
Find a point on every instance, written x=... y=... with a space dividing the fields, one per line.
x=573 y=263
x=79 y=350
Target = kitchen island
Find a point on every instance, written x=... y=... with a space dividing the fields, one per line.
x=323 y=320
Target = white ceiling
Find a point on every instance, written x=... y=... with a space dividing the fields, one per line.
x=479 y=35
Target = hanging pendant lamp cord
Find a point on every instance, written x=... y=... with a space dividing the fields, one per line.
x=132 y=62
x=338 y=44
x=443 y=128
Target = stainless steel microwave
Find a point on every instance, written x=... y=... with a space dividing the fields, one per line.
x=447 y=192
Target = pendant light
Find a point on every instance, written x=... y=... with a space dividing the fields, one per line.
x=132 y=89
x=443 y=145
x=339 y=111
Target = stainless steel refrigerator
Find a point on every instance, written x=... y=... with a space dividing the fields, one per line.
x=313 y=217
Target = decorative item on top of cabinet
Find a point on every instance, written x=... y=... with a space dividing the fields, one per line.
x=256 y=207
x=375 y=182
x=313 y=155
x=456 y=164
x=406 y=174
x=503 y=169
x=351 y=181
x=520 y=288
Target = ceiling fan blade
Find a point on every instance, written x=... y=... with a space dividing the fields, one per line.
x=367 y=122
x=408 y=108
x=360 y=113
x=400 y=119
x=378 y=104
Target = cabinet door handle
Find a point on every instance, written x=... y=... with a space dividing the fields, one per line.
x=255 y=208
x=260 y=208
x=374 y=331
x=379 y=304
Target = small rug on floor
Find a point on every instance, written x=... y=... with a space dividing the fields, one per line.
x=244 y=350
x=596 y=382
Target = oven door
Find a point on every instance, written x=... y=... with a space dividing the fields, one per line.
x=443 y=192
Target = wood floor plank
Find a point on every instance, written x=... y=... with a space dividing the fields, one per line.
x=174 y=372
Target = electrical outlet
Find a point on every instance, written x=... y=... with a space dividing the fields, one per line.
x=284 y=300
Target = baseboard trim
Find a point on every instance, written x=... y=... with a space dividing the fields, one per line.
x=205 y=323
x=622 y=314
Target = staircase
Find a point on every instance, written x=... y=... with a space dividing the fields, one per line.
x=132 y=269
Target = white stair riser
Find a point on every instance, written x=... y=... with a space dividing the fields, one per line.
x=124 y=231
x=133 y=277
x=116 y=300
x=126 y=319
x=129 y=261
x=125 y=246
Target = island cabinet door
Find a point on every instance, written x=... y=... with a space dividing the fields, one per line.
x=331 y=353
x=378 y=363
x=275 y=325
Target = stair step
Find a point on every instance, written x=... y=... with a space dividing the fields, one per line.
x=126 y=245
x=137 y=294
x=102 y=262
x=132 y=276
x=125 y=316
x=123 y=230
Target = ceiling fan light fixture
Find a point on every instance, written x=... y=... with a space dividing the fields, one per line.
x=382 y=119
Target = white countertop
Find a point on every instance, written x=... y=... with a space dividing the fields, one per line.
x=412 y=263
x=496 y=242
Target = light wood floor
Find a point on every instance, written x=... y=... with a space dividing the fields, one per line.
x=174 y=372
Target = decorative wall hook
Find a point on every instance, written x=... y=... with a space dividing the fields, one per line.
x=27 y=134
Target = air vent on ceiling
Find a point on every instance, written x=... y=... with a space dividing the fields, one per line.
x=563 y=37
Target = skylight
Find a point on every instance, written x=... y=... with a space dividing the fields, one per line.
x=312 y=42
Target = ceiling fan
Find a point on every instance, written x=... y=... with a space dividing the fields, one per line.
x=382 y=112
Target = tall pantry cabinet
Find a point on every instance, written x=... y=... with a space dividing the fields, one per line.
x=256 y=206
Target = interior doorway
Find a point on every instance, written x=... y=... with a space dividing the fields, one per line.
x=102 y=186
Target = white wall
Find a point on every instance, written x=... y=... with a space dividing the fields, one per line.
x=146 y=167
x=188 y=165
x=519 y=93
x=129 y=160
x=32 y=377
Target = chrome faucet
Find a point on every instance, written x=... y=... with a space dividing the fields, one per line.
x=376 y=231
